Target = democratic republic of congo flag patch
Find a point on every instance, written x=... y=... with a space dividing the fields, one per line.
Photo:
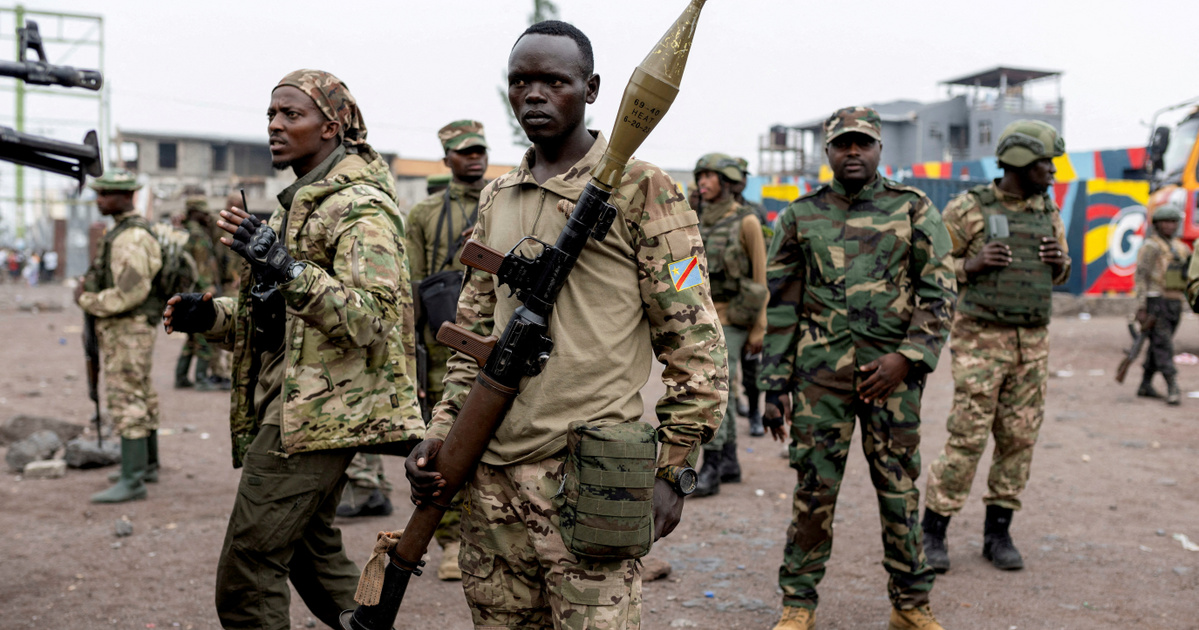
x=685 y=273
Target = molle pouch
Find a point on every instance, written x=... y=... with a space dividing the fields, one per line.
x=1176 y=275
x=997 y=227
x=744 y=308
x=606 y=503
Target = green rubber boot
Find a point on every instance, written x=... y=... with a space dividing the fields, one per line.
x=130 y=486
x=151 y=461
x=182 y=366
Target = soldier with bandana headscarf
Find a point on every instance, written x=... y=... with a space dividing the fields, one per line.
x=322 y=336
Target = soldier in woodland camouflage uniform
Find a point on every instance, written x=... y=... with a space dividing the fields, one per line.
x=618 y=310
x=1000 y=337
x=203 y=251
x=1160 y=282
x=322 y=335
x=861 y=296
x=119 y=292
x=736 y=255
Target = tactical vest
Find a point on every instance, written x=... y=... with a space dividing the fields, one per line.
x=1020 y=294
x=1176 y=272
x=727 y=261
x=99 y=276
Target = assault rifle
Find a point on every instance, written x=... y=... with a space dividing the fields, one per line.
x=91 y=352
x=524 y=346
x=65 y=158
x=1139 y=336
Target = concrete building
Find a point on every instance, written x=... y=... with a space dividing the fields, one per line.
x=964 y=126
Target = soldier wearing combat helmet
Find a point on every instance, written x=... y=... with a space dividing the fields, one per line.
x=861 y=296
x=1009 y=249
x=1160 y=283
x=736 y=252
x=119 y=292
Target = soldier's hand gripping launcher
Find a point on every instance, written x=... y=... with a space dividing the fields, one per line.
x=524 y=346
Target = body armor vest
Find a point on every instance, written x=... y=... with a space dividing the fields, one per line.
x=99 y=276
x=1020 y=294
x=727 y=261
x=1176 y=272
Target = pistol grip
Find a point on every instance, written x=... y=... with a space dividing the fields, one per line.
x=462 y=340
x=482 y=257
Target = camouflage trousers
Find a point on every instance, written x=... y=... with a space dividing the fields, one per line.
x=221 y=365
x=366 y=471
x=517 y=571
x=735 y=338
x=126 y=348
x=197 y=346
x=999 y=377
x=821 y=431
x=1159 y=357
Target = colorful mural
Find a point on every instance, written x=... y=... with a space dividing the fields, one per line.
x=1075 y=166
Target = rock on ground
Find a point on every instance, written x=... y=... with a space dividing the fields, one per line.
x=22 y=426
x=85 y=453
x=41 y=445
x=46 y=469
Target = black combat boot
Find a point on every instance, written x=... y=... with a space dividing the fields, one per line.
x=730 y=468
x=1146 y=389
x=709 y=474
x=997 y=542
x=935 y=547
x=182 y=366
x=204 y=383
x=1173 y=394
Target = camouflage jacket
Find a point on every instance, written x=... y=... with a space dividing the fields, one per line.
x=200 y=246
x=422 y=228
x=618 y=310
x=134 y=259
x=349 y=339
x=1153 y=261
x=852 y=279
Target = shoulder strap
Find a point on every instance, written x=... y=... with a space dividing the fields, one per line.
x=445 y=211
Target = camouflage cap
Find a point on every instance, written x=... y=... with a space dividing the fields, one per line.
x=115 y=179
x=195 y=204
x=720 y=163
x=461 y=135
x=1026 y=141
x=863 y=120
x=334 y=100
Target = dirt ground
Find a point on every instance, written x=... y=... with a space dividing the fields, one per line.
x=1115 y=477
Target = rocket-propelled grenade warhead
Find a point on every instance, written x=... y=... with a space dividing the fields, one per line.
x=649 y=94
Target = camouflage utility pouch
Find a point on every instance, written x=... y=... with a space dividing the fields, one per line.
x=606 y=501
x=745 y=307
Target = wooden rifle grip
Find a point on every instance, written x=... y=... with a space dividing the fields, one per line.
x=462 y=340
x=482 y=257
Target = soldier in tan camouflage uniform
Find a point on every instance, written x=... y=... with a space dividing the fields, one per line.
x=1160 y=282
x=1009 y=249
x=736 y=255
x=322 y=335
x=861 y=296
x=618 y=310
x=118 y=291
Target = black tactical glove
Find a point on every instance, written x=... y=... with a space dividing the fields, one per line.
x=268 y=258
x=775 y=398
x=193 y=314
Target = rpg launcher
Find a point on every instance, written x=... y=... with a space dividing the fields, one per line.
x=524 y=347
x=56 y=156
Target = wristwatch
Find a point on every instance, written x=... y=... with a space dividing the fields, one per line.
x=682 y=478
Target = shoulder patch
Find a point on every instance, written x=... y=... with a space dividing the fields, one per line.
x=685 y=273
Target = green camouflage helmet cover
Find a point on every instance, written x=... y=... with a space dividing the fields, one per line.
x=863 y=120
x=1026 y=141
x=115 y=179
x=743 y=164
x=461 y=135
x=1172 y=209
x=722 y=164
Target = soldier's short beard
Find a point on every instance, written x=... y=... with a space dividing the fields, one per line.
x=281 y=166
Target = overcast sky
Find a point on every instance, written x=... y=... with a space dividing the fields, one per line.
x=208 y=67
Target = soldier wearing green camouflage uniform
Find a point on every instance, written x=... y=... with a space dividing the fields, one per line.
x=1160 y=284
x=322 y=336
x=203 y=252
x=736 y=254
x=861 y=296
x=618 y=310
x=1000 y=337
x=119 y=292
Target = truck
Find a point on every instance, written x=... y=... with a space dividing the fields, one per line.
x=1172 y=163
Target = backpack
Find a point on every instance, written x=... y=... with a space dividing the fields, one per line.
x=179 y=271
